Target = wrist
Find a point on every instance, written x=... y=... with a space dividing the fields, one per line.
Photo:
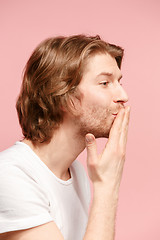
x=107 y=190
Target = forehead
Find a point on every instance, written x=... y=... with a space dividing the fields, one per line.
x=101 y=63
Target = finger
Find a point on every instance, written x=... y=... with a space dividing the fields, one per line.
x=115 y=131
x=91 y=149
x=125 y=125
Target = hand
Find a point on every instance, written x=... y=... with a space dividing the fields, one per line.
x=108 y=166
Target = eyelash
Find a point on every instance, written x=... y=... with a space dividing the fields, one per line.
x=105 y=83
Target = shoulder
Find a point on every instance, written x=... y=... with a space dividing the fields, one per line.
x=18 y=183
x=18 y=179
x=10 y=165
x=22 y=160
x=13 y=154
x=17 y=170
x=15 y=164
x=24 y=202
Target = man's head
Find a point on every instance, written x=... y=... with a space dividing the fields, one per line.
x=52 y=76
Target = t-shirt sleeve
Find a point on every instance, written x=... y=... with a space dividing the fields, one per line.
x=23 y=202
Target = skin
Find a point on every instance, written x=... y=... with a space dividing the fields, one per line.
x=102 y=95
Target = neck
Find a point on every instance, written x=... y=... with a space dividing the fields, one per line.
x=61 y=151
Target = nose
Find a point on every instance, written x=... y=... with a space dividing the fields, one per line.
x=121 y=95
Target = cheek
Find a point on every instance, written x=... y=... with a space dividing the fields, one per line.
x=96 y=98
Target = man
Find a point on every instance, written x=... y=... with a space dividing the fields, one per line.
x=71 y=94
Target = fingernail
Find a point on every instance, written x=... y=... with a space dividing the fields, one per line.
x=128 y=108
x=89 y=138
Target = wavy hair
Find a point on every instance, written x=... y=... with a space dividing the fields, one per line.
x=51 y=76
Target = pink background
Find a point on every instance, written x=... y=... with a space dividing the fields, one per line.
x=135 y=25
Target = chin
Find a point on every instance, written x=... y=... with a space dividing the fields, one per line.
x=101 y=134
x=100 y=131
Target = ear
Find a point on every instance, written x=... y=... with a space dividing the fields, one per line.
x=72 y=102
x=69 y=104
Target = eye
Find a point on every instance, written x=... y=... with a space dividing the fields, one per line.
x=104 y=83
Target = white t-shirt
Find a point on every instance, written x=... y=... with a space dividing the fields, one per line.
x=31 y=195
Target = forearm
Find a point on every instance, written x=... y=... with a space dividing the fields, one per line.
x=101 y=223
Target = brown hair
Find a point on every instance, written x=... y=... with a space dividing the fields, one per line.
x=51 y=75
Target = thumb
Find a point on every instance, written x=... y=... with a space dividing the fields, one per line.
x=91 y=149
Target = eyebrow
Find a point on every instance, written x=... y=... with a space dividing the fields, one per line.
x=108 y=74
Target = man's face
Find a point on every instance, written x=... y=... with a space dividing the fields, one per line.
x=102 y=96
